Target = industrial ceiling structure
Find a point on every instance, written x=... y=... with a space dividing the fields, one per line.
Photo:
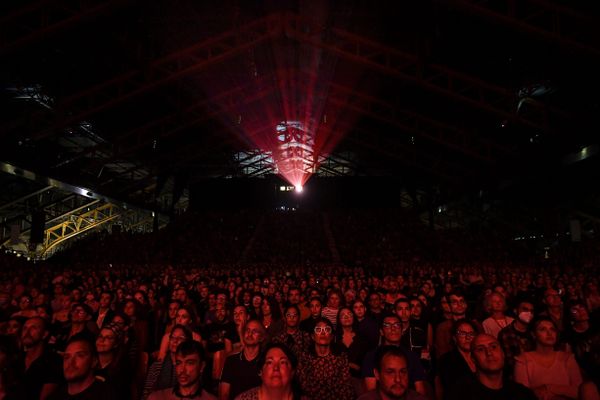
x=112 y=109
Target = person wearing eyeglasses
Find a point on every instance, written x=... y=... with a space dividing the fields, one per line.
x=443 y=333
x=79 y=317
x=391 y=334
x=457 y=363
x=161 y=374
x=240 y=372
x=324 y=373
x=294 y=338
x=113 y=366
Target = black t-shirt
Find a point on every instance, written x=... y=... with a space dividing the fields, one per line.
x=452 y=368
x=47 y=368
x=469 y=388
x=96 y=391
x=216 y=333
x=240 y=373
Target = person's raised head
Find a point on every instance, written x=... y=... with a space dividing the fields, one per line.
x=189 y=364
x=276 y=366
x=34 y=332
x=79 y=359
x=391 y=329
x=391 y=372
x=487 y=354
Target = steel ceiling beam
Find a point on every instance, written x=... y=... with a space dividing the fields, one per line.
x=170 y=68
x=547 y=20
x=435 y=78
x=44 y=18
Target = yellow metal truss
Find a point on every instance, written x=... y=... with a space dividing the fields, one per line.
x=77 y=224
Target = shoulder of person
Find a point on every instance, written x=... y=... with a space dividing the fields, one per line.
x=519 y=390
x=207 y=396
x=525 y=357
x=370 y=395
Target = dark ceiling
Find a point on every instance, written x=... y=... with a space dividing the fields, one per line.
x=118 y=96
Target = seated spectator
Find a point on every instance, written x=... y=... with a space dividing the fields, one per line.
x=79 y=360
x=488 y=382
x=419 y=319
x=579 y=334
x=443 y=333
x=322 y=373
x=183 y=316
x=315 y=306
x=189 y=363
x=277 y=369
x=240 y=372
x=161 y=374
x=591 y=296
x=105 y=312
x=41 y=367
x=391 y=373
x=11 y=384
x=366 y=325
x=391 y=335
x=516 y=338
x=457 y=363
x=334 y=301
x=240 y=317
x=590 y=389
x=548 y=372
x=553 y=308
x=295 y=339
x=498 y=320
x=350 y=342
x=294 y=297
x=270 y=316
x=113 y=364
x=26 y=308
x=376 y=307
x=80 y=319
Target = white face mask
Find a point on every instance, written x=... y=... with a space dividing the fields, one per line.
x=526 y=316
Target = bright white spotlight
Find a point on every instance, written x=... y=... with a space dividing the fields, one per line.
x=299 y=189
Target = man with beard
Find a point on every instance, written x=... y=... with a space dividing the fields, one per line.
x=488 y=382
x=189 y=363
x=391 y=335
x=79 y=362
x=391 y=372
x=240 y=372
x=41 y=368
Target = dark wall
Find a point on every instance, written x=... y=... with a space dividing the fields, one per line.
x=318 y=193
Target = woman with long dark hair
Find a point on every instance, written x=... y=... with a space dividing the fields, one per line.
x=350 y=342
x=324 y=373
x=270 y=316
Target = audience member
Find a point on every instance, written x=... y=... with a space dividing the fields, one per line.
x=189 y=363
x=548 y=372
x=391 y=373
x=488 y=381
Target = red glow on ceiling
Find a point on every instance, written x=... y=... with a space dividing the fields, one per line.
x=280 y=97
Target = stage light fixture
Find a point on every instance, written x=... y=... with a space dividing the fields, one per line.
x=299 y=188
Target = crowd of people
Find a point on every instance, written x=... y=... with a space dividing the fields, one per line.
x=416 y=328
